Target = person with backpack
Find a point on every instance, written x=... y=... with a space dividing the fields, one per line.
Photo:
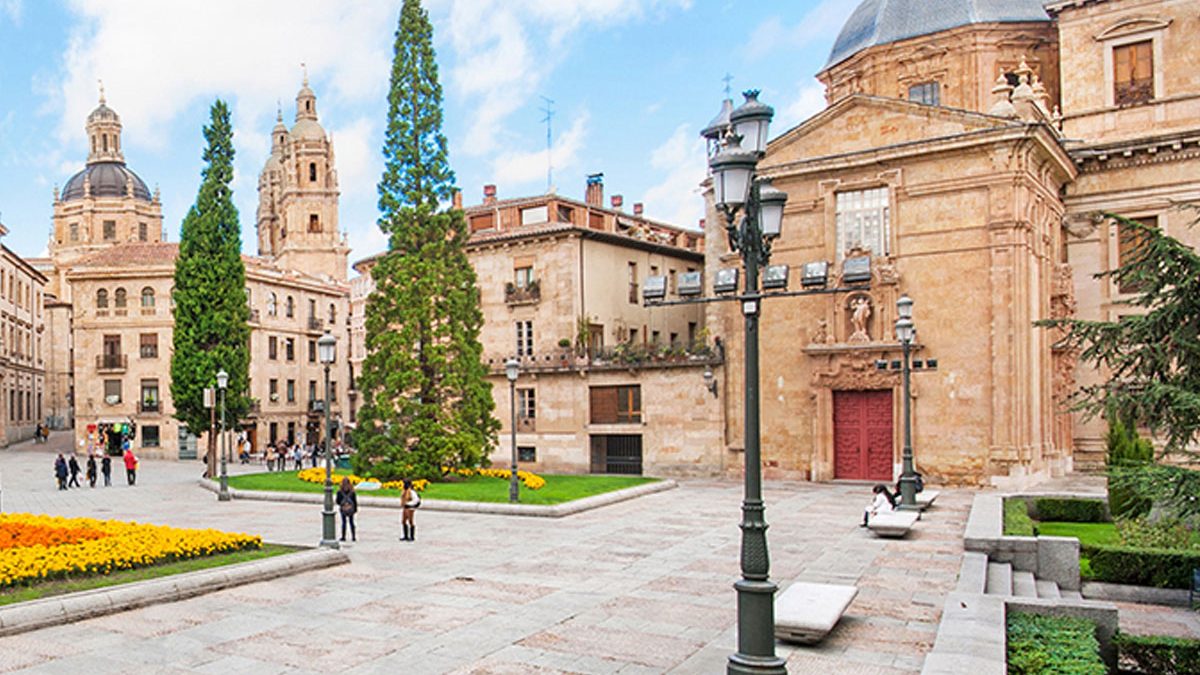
x=883 y=502
x=411 y=500
x=60 y=471
x=347 y=500
x=106 y=470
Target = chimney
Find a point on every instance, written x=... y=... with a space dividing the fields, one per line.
x=489 y=194
x=638 y=209
x=703 y=224
x=617 y=202
x=595 y=190
x=458 y=199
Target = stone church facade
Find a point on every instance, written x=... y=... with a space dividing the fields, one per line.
x=968 y=152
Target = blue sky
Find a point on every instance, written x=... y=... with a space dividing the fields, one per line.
x=632 y=81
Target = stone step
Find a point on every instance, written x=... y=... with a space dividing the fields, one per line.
x=1024 y=585
x=1048 y=590
x=999 y=579
x=972 y=574
x=1072 y=595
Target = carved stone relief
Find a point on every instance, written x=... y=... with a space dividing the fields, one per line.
x=859 y=309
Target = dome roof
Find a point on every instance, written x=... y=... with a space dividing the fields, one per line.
x=108 y=179
x=307 y=130
x=880 y=22
x=103 y=113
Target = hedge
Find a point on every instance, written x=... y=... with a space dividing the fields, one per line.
x=1157 y=567
x=1158 y=655
x=1070 y=510
x=1052 y=645
x=1017 y=522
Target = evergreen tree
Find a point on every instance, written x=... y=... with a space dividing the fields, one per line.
x=211 y=331
x=426 y=399
x=1152 y=357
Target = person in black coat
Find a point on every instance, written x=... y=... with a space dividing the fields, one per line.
x=347 y=501
x=60 y=471
x=91 y=470
x=106 y=470
x=74 y=467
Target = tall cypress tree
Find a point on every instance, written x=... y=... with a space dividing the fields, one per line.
x=426 y=399
x=211 y=314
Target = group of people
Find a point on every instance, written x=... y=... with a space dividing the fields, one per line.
x=280 y=455
x=67 y=470
x=41 y=433
x=347 y=501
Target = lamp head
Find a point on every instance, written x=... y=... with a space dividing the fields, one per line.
x=512 y=368
x=327 y=348
x=770 y=209
x=731 y=170
x=752 y=121
x=904 y=307
x=905 y=331
x=222 y=379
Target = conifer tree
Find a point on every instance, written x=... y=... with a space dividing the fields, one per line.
x=426 y=399
x=211 y=331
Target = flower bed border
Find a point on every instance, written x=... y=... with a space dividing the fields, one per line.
x=71 y=607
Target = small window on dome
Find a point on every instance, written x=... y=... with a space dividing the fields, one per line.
x=926 y=93
x=110 y=230
x=314 y=223
x=143 y=232
x=308 y=106
x=312 y=172
x=104 y=141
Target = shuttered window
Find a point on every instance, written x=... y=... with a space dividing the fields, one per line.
x=616 y=405
x=1133 y=73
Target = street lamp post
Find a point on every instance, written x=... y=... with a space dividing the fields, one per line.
x=326 y=352
x=753 y=212
x=905 y=332
x=512 y=368
x=222 y=383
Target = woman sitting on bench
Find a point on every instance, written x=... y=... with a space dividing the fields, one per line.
x=884 y=502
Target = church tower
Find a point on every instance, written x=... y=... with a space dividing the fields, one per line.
x=298 y=197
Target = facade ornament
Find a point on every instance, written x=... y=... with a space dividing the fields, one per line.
x=860 y=316
x=1002 y=106
x=821 y=334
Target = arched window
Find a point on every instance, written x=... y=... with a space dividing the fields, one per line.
x=147 y=297
x=332 y=313
x=119 y=298
x=291 y=307
x=271 y=300
x=312 y=172
x=104 y=141
x=102 y=299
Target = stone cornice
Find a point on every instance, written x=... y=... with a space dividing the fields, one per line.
x=1053 y=8
x=1137 y=152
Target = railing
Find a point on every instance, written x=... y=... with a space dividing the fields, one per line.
x=148 y=406
x=1134 y=92
x=622 y=357
x=112 y=362
x=528 y=294
x=315 y=324
x=316 y=406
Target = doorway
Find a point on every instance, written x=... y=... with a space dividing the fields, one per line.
x=862 y=435
x=617 y=453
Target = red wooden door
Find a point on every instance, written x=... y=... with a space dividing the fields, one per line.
x=862 y=435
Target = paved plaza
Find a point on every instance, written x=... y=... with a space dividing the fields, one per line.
x=644 y=586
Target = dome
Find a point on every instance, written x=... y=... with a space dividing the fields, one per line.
x=108 y=179
x=307 y=130
x=103 y=113
x=880 y=22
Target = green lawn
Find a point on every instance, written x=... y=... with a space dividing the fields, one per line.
x=1087 y=533
x=53 y=587
x=558 y=488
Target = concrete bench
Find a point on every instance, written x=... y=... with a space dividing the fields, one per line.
x=926 y=498
x=806 y=612
x=894 y=523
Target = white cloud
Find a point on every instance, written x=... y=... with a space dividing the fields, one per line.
x=683 y=163
x=825 y=19
x=516 y=168
x=13 y=9
x=809 y=100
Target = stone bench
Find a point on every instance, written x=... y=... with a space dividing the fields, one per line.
x=926 y=498
x=893 y=523
x=806 y=612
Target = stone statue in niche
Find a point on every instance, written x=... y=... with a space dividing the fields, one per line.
x=860 y=316
x=821 y=335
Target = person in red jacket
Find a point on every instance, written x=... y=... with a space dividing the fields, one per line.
x=131 y=464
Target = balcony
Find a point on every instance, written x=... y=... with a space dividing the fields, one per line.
x=316 y=406
x=529 y=294
x=149 y=407
x=255 y=316
x=112 y=363
x=624 y=356
x=316 y=325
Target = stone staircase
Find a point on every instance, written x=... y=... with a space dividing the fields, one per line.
x=1001 y=579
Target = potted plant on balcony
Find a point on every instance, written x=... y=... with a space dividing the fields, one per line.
x=565 y=345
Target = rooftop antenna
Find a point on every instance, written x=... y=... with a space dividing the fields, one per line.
x=728 y=80
x=548 y=109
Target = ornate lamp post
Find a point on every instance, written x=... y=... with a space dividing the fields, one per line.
x=753 y=212
x=326 y=352
x=906 y=331
x=512 y=368
x=222 y=383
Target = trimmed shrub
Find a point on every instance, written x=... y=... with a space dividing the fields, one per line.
x=1053 y=645
x=1017 y=522
x=1158 y=655
x=1070 y=510
x=1160 y=568
x=1167 y=533
x=1126 y=450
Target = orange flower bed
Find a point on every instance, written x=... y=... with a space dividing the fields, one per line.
x=16 y=535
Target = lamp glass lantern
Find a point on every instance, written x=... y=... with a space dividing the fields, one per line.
x=732 y=169
x=905 y=330
x=222 y=379
x=770 y=210
x=327 y=348
x=512 y=368
x=904 y=307
x=752 y=121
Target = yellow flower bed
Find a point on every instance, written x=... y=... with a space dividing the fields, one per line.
x=530 y=480
x=119 y=546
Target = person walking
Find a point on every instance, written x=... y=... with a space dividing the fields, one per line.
x=411 y=500
x=314 y=450
x=131 y=465
x=60 y=471
x=347 y=500
x=91 y=470
x=270 y=457
x=106 y=470
x=297 y=457
x=73 y=465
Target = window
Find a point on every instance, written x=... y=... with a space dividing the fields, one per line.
x=291 y=432
x=332 y=313
x=290 y=307
x=291 y=391
x=522 y=276
x=526 y=404
x=928 y=93
x=526 y=453
x=312 y=172
x=74 y=229
x=655 y=337
x=1129 y=241
x=110 y=230
x=595 y=220
x=273 y=390
x=272 y=347
x=271 y=304
x=534 y=214
x=314 y=223
x=862 y=221
x=289 y=349
x=633 y=283
x=672 y=285
x=1133 y=73
x=616 y=405
x=483 y=221
x=333 y=390
x=147 y=298
x=101 y=299
x=524 y=338
x=149 y=399
x=143 y=232
x=150 y=436
x=566 y=214
x=312 y=351
x=119 y=300
x=674 y=341
x=312 y=390
x=148 y=346
x=312 y=309
x=112 y=392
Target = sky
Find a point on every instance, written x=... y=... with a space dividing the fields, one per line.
x=632 y=83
